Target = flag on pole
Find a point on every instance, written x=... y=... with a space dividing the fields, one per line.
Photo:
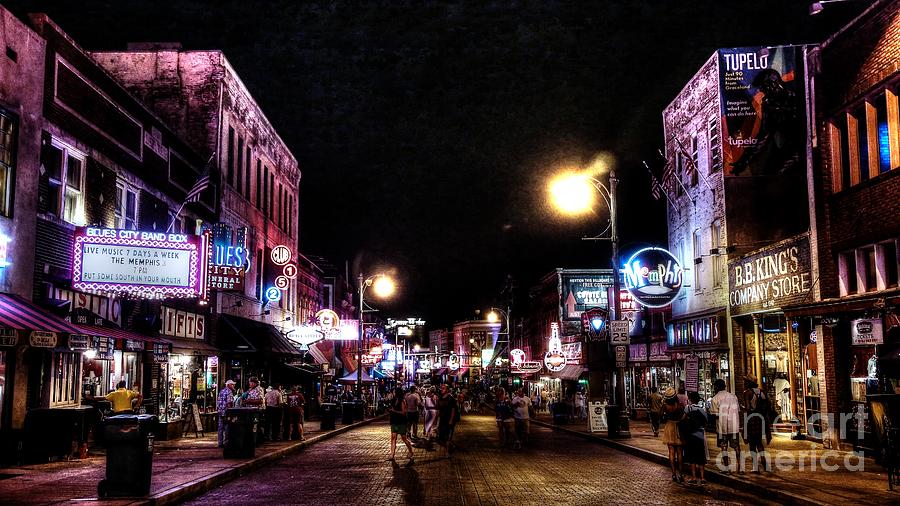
x=193 y=195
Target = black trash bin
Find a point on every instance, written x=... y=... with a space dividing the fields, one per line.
x=612 y=420
x=347 y=412
x=240 y=433
x=329 y=412
x=129 y=455
x=359 y=411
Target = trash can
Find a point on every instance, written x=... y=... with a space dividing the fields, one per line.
x=129 y=455
x=612 y=420
x=329 y=412
x=348 y=409
x=240 y=433
x=359 y=411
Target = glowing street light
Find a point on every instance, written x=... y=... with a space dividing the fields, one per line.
x=384 y=287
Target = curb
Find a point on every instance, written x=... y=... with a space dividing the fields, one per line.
x=742 y=484
x=180 y=493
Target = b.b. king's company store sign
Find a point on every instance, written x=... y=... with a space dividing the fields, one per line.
x=771 y=277
x=144 y=264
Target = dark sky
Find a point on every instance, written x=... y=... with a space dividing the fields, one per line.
x=426 y=131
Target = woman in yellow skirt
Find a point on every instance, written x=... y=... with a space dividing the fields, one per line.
x=672 y=412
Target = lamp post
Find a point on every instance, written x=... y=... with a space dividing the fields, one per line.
x=384 y=287
x=505 y=343
x=571 y=196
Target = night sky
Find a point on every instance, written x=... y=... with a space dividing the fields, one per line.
x=426 y=131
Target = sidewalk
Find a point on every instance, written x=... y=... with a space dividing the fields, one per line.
x=798 y=480
x=182 y=468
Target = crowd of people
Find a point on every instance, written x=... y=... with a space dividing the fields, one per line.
x=282 y=409
x=683 y=418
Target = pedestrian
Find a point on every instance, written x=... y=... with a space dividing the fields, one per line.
x=124 y=401
x=521 y=407
x=727 y=409
x=506 y=420
x=694 y=437
x=757 y=407
x=399 y=423
x=654 y=404
x=431 y=414
x=413 y=403
x=682 y=396
x=255 y=397
x=274 y=413
x=295 y=406
x=448 y=416
x=672 y=413
x=224 y=401
x=581 y=405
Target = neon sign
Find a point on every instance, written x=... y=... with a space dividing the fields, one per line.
x=453 y=362
x=273 y=294
x=653 y=276
x=518 y=364
x=554 y=359
x=143 y=264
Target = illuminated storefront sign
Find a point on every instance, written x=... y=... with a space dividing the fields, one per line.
x=772 y=277
x=228 y=268
x=8 y=337
x=143 y=264
x=41 y=339
x=519 y=365
x=653 y=276
x=282 y=271
x=328 y=321
x=554 y=359
x=453 y=362
x=185 y=324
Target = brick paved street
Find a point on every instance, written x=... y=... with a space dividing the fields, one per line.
x=556 y=469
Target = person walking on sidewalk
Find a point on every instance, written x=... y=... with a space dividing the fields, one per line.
x=655 y=404
x=448 y=416
x=399 y=423
x=521 y=406
x=757 y=407
x=581 y=406
x=274 y=413
x=224 y=401
x=727 y=409
x=294 y=414
x=506 y=422
x=694 y=437
x=672 y=413
x=431 y=414
x=413 y=403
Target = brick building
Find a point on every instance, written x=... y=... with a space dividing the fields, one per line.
x=851 y=322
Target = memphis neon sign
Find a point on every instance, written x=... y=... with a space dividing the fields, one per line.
x=654 y=277
x=141 y=264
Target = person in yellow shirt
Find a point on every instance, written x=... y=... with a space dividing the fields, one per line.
x=122 y=400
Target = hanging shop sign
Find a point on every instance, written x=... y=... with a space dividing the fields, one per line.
x=653 y=276
x=282 y=270
x=328 y=321
x=105 y=348
x=867 y=331
x=185 y=324
x=554 y=359
x=8 y=337
x=637 y=352
x=370 y=360
x=133 y=345
x=572 y=351
x=160 y=353
x=228 y=262
x=80 y=342
x=141 y=264
x=593 y=323
x=41 y=339
x=581 y=292
x=658 y=352
x=453 y=362
x=772 y=277
x=519 y=365
x=305 y=335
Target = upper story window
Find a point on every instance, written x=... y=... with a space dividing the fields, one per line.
x=861 y=146
x=126 y=206
x=869 y=268
x=698 y=258
x=715 y=150
x=64 y=166
x=679 y=169
x=229 y=158
x=8 y=136
x=717 y=251
x=694 y=167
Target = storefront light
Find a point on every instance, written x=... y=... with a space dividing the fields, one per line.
x=90 y=354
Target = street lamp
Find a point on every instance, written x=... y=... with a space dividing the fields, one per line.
x=571 y=193
x=384 y=287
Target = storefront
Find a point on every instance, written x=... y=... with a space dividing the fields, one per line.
x=253 y=348
x=649 y=366
x=699 y=349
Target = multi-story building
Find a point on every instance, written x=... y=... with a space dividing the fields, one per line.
x=849 y=326
x=734 y=139
x=202 y=97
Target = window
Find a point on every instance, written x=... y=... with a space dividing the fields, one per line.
x=64 y=168
x=126 y=207
x=866 y=259
x=698 y=259
x=861 y=145
x=887 y=257
x=844 y=146
x=238 y=183
x=230 y=157
x=695 y=161
x=265 y=200
x=715 y=153
x=862 y=141
x=259 y=184
x=847 y=273
x=883 y=137
x=8 y=140
x=259 y=273
x=65 y=387
x=271 y=214
x=717 y=252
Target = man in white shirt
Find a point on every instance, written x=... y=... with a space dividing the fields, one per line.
x=274 y=413
x=727 y=408
x=413 y=401
x=521 y=405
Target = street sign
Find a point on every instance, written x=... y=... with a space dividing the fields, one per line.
x=618 y=332
x=597 y=417
x=621 y=355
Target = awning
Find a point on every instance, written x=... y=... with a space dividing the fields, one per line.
x=304 y=368
x=184 y=346
x=241 y=335
x=351 y=378
x=845 y=305
x=93 y=330
x=20 y=314
x=317 y=354
x=569 y=372
x=439 y=372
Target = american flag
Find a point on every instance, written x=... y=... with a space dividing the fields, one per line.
x=194 y=194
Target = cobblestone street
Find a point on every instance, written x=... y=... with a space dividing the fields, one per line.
x=556 y=469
